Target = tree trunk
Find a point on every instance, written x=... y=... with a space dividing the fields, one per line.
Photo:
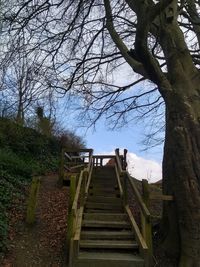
x=181 y=172
x=20 y=114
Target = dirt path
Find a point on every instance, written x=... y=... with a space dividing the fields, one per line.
x=44 y=244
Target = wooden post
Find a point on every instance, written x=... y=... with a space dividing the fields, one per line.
x=125 y=156
x=125 y=189
x=83 y=188
x=71 y=217
x=32 y=200
x=146 y=225
x=61 y=167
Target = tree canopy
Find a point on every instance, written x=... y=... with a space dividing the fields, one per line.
x=89 y=44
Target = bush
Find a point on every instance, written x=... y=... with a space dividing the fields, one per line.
x=23 y=153
x=10 y=187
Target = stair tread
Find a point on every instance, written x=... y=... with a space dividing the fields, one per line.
x=101 y=223
x=103 y=234
x=116 y=256
x=104 y=198
x=103 y=203
x=95 y=206
x=120 y=244
x=108 y=211
x=104 y=216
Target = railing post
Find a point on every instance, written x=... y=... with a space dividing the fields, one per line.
x=61 y=167
x=125 y=157
x=125 y=187
x=83 y=188
x=71 y=217
x=32 y=200
x=146 y=225
x=117 y=151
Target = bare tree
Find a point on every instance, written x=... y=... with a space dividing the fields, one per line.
x=90 y=43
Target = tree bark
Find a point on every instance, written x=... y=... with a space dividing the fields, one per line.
x=181 y=171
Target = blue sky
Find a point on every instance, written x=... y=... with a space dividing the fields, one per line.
x=141 y=164
x=130 y=138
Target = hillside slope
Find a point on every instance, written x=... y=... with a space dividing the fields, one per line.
x=24 y=152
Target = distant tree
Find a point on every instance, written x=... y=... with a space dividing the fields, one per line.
x=90 y=43
x=45 y=124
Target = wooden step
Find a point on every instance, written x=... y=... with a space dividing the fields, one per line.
x=104 y=211
x=103 y=185
x=116 y=235
x=106 y=224
x=103 y=206
x=108 y=244
x=106 y=191
x=105 y=216
x=104 y=194
x=108 y=259
x=104 y=180
x=105 y=199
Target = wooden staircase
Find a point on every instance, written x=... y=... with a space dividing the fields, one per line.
x=104 y=232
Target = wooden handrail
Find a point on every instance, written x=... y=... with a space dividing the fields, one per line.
x=138 y=235
x=141 y=203
x=104 y=156
x=78 y=224
x=119 y=182
x=90 y=163
x=119 y=165
x=89 y=169
x=78 y=189
x=68 y=156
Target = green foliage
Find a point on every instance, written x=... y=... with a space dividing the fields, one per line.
x=12 y=162
x=10 y=187
x=24 y=152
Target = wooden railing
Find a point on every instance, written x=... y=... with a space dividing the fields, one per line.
x=99 y=159
x=78 y=194
x=144 y=239
x=73 y=162
x=79 y=187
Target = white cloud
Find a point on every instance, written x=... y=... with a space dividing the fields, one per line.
x=141 y=168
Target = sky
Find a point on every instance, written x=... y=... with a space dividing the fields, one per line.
x=142 y=164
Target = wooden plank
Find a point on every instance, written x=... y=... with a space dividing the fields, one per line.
x=146 y=225
x=68 y=156
x=75 y=240
x=142 y=244
x=78 y=224
x=119 y=182
x=119 y=165
x=89 y=179
x=78 y=189
x=103 y=156
x=77 y=166
x=79 y=157
x=154 y=196
x=110 y=244
x=71 y=218
x=139 y=198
